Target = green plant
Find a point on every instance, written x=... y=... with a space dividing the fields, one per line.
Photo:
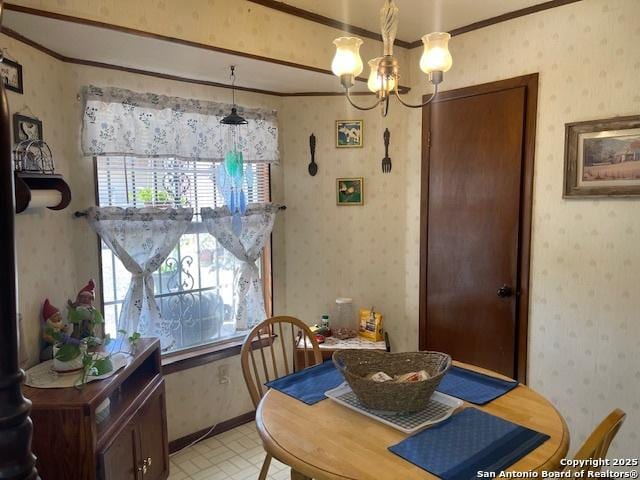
x=134 y=339
x=147 y=195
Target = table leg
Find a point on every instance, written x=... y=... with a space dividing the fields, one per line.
x=298 y=476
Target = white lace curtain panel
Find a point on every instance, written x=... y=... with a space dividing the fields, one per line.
x=142 y=238
x=121 y=122
x=257 y=224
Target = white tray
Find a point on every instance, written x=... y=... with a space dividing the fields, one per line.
x=440 y=408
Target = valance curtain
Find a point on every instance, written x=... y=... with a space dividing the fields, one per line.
x=142 y=238
x=257 y=224
x=121 y=122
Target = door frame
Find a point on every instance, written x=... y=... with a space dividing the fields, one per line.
x=530 y=82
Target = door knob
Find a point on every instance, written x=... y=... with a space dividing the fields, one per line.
x=505 y=291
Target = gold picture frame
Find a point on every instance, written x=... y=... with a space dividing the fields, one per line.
x=350 y=191
x=602 y=158
x=349 y=133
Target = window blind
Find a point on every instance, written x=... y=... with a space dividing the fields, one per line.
x=139 y=182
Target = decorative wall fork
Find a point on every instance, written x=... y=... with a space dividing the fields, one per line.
x=386 y=161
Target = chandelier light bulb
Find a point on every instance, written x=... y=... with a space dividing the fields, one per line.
x=347 y=59
x=376 y=81
x=436 y=56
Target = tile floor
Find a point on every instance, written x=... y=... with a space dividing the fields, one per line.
x=233 y=455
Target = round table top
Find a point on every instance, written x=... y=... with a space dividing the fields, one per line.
x=329 y=441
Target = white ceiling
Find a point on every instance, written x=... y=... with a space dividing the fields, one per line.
x=417 y=17
x=126 y=50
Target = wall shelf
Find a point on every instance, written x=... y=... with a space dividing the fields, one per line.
x=26 y=182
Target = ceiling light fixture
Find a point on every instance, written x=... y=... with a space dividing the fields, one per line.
x=384 y=74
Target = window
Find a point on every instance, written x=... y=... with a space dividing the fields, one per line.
x=194 y=286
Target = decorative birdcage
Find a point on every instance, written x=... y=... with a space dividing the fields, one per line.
x=34 y=156
x=35 y=170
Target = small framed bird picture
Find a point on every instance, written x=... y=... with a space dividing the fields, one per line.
x=350 y=191
x=349 y=133
x=26 y=128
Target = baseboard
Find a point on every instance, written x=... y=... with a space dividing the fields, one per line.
x=180 y=443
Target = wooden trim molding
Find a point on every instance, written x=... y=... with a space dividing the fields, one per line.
x=180 y=443
x=502 y=18
x=83 y=21
x=327 y=21
x=203 y=354
x=77 y=61
x=346 y=27
x=530 y=82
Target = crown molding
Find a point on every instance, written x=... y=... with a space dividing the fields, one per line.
x=91 y=63
x=503 y=18
x=332 y=22
x=327 y=21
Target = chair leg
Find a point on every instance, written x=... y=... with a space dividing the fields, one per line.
x=298 y=476
x=265 y=467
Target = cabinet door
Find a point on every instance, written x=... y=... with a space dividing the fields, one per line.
x=151 y=422
x=118 y=461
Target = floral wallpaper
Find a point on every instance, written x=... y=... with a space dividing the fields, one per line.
x=584 y=327
x=584 y=336
x=195 y=399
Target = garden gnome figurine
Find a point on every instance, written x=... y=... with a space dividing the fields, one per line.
x=53 y=329
x=83 y=315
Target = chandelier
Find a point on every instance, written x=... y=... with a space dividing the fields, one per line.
x=384 y=75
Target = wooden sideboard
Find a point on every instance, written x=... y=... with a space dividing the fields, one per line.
x=129 y=444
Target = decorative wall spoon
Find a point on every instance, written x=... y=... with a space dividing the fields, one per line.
x=313 y=166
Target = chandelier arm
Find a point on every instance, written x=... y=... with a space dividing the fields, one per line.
x=420 y=105
x=348 y=95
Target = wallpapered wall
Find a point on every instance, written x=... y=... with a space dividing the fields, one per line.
x=57 y=254
x=584 y=333
x=237 y=25
x=584 y=339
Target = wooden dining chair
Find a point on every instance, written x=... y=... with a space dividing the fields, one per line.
x=597 y=445
x=279 y=336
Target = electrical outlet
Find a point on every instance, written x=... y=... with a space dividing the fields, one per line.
x=223 y=374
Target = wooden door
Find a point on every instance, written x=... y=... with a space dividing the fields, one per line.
x=119 y=459
x=152 y=431
x=475 y=227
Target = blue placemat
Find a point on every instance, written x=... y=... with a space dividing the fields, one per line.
x=309 y=385
x=474 y=387
x=468 y=442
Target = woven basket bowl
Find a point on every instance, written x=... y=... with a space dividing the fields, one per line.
x=391 y=396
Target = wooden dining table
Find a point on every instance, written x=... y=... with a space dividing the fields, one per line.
x=330 y=441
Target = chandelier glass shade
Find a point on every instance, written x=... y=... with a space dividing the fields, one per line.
x=384 y=75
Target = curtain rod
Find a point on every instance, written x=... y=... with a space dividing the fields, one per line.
x=79 y=214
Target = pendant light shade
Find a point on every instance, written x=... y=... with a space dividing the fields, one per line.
x=436 y=56
x=378 y=82
x=347 y=59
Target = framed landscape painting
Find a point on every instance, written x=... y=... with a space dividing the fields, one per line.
x=602 y=158
x=349 y=133
x=350 y=191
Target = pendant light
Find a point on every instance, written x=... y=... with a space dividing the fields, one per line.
x=384 y=74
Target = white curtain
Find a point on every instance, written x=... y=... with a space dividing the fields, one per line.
x=142 y=238
x=257 y=224
x=121 y=122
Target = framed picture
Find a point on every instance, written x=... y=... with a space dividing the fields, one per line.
x=602 y=158
x=26 y=128
x=350 y=191
x=11 y=75
x=349 y=133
